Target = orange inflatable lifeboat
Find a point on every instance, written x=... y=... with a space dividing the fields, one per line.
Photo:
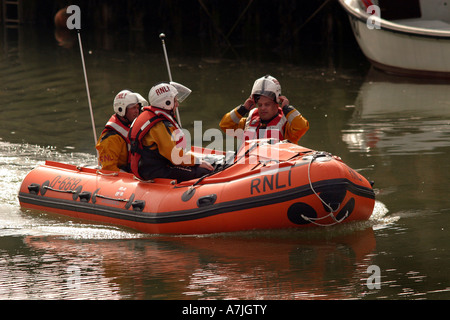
x=267 y=185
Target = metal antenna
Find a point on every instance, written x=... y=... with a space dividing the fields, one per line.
x=162 y=37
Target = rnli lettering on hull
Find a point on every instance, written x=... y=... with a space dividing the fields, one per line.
x=268 y=183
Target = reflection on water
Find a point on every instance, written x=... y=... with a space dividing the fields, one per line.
x=404 y=126
x=407 y=117
x=246 y=266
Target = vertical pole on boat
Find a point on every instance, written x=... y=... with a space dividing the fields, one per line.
x=87 y=87
x=74 y=22
x=162 y=37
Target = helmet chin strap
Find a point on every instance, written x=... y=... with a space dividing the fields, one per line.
x=124 y=120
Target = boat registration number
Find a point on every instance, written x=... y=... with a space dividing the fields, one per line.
x=64 y=183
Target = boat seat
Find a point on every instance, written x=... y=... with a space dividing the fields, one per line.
x=426 y=24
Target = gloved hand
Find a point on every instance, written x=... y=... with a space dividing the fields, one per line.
x=206 y=165
x=249 y=104
x=283 y=101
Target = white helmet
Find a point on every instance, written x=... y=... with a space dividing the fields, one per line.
x=267 y=86
x=127 y=98
x=163 y=95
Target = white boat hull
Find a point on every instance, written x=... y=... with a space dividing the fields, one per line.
x=401 y=49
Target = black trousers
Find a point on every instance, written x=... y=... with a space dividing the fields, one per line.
x=152 y=165
x=180 y=173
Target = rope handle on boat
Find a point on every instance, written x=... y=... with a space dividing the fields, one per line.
x=58 y=190
x=110 y=198
x=140 y=180
x=336 y=221
x=151 y=181
x=78 y=191
x=314 y=156
x=112 y=174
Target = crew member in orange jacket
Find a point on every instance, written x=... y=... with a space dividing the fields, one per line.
x=112 y=143
x=270 y=114
x=157 y=141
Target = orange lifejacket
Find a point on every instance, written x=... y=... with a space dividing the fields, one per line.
x=255 y=129
x=149 y=117
x=116 y=126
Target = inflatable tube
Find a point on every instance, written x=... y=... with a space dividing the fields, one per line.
x=267 y=186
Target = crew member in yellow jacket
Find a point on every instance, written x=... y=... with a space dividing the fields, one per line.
x=112 y=143
x=157 y=142
x=270 y=114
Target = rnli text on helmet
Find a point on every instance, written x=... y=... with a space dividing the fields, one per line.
x=162 y=90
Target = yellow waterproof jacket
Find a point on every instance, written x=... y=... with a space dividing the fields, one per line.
x=112 y=145
x=112 y=151
x=296 y=125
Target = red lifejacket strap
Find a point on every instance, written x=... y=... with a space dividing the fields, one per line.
x=274 y=127
x=367 y=3
x=140 y=127
x=118 y=126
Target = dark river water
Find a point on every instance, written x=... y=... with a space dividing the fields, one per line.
x=395 y=131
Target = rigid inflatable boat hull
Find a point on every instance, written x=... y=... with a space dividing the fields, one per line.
x=303 y=188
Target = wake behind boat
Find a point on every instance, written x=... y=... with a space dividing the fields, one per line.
x=268 y=185
x=407 y=37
